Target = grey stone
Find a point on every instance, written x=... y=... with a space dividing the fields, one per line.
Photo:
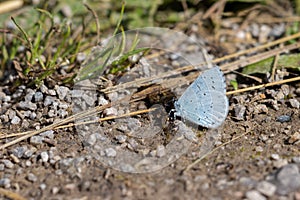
x=278 y=30
x=246 y=181
x=121 y=138
x=89 y=99
x=110 y=152
x=43 y=186
x=15 y=120
x=102 y=101
x=11 y=113
x=254 y=195
x=51 y=113
x=287 y=179
x=28 y=153
x=61 y=91
x=266 y=188
x=2 y=167
x=31 y=177
x=283 y=118
x=45 y=156
x=8 y=163
x=296 y=159
x=111 y=111
x=19 y=151
x=52 y=92
x=77 y=93
x=36 y=140
x=239 y=111
x=91 y=140
x=49 y=100
x=38 y=96
x=27 y=105
x=5 y=182
x=62 y=113
x=285 y=89
x=49 y=134
x=44 y=89
x=275 y=156
x=294 y=103
x=29 y=95
x=160 y=151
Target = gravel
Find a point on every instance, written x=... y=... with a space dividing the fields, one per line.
x=266 y=188
x=255 y=195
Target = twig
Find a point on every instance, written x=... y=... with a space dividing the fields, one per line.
x=215 y=149
x=264 y=85
x=11 y=195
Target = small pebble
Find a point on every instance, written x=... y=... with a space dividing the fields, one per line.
x=29 y=95
x=294 y=103
x=8 y=163
x=27 y=105
x=259 y=149
x=49 y=134
x=266 y=188
x=296 y=160
x=110 y=152
x=38 y=96
x=31 y=177
x=160 y=151
x=43 y=186
x=89 y=100
x=91 y=140
x=111 y=111
x=295 y=137
x=280 y=162
x=121 y=138
x=44 y=156
x=5 y=182
x=255 y=195
x=239 y=111
x=52 y=92
x=285 y=89
x=15 y=120
x=61 y=91
x=49 y=100
x=36 y=140
x=284 y=118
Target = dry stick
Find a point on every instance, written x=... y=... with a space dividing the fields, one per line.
x=11 y=195
x=215 y=149
x=274 y=67
x=108 y=118
x=264 y=85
